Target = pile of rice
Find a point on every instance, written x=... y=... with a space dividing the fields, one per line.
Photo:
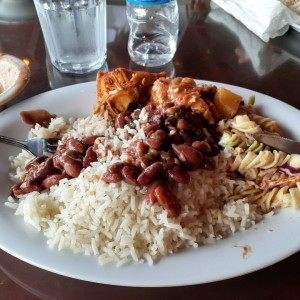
x=114 y=221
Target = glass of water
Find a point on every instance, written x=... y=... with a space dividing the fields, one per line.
x=74 y=33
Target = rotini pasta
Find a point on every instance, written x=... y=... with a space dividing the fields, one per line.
x=265 y=123
x=250 y=164
x=280 y=197
x=230 y=139
x=244 y=124
x=264 y=160
x=268 y=176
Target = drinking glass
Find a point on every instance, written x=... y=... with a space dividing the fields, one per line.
x=74 y=33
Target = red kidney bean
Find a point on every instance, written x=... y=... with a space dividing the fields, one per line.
x=15 y=190
x=72 y=167
x=155 y=139
x=121 y=119
x=42 y=170
x=147 y=160
x=202 y=146
x=90 y=156
x=28 y=187
x=113 y=173
x=150 y=128
x=75 y=145
x=150 y=173
x=116 y=168
x=111 y=177
x=182 y=124
x=52 y=180
x=179 y=175
x=142 y=148
x=158 y=134
x=167 y=200
x=35 y=162
x=188 y=154
x=150 y=195
x=130 y=174
x=90 y=140
x=57 y=163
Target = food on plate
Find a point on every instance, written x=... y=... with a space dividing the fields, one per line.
x=226 y=103
x=38 y=116
x=117 y=89
x=145 y=177
x=183 y=92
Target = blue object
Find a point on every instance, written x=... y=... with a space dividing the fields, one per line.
x=148 y=2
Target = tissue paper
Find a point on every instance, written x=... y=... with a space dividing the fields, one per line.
x=262 y=58
x=266 y=18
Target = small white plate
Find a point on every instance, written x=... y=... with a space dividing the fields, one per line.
x=14 y=76
x=272 y=240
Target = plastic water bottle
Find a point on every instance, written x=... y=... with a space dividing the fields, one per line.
x=153 y=32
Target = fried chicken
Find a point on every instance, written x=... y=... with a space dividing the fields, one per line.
x=182 y=92
x=117 y=89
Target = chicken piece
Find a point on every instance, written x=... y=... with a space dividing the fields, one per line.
x=181 y=91
x=117 y=89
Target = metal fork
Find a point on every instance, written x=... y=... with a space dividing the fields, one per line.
x=36 y=146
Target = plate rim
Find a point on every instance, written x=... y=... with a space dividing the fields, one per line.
x=90 y=86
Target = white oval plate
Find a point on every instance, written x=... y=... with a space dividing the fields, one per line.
x=272 y=240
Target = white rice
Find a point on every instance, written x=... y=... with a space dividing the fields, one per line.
x=113 y=221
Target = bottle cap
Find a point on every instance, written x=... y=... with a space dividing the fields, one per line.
x=148 y=2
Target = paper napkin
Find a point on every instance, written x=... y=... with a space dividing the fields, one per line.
x=266 y=18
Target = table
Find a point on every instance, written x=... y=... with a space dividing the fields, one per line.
x=212 y=46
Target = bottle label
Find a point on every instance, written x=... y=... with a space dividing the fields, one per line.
x=149 y=2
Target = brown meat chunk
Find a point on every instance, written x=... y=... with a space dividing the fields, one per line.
x=38 y=116
x=117 y=89
x=180 y=91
